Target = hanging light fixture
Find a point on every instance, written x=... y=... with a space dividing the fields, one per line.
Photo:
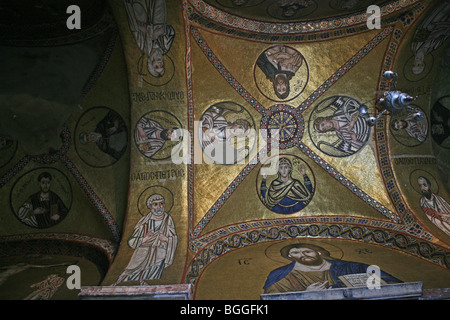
x=392 y=102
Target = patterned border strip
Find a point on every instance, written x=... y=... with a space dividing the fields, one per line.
x=235 y=84
x=348 y=184
x=11 y=173
x=95 y=200
x=386 y=238
x=346 y=67
x=98 y=251
x=223 y=198
x=102 y=64
x=229 y=20
x=381 y=128
x=110 y=248
x=190 y=111
x=311 y=37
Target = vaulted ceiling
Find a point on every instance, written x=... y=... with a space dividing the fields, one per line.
x=57 y=82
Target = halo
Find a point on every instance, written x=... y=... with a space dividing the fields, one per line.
x=90 y=154
x=166 y=119
x=402 y=136
x=153 y=81
x=413 y=176
x=407 y=68
x=142 y=200
x=27 y=184
x=273 y=251
x=265 y=87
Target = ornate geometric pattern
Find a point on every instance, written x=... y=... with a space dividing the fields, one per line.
x=302 y=107
x=240 y=23
x=99 y=251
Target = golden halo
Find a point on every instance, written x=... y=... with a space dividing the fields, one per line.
x=273 y=251
x=142 y=200
x=154 y=81
x=413 y=176
x=407 y=68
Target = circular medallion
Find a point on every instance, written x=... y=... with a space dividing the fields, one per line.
x=337 y=128
x=41 y=198
x=416 y=69
x=157 y=134
x=408 y=128
x=101 y=137
x=281 y=73
x=285 y=183
x=226 y=133
x=156 y=81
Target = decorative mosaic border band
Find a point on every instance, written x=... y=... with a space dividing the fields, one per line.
x=190 y=112
x=95 y=200
x=308 y=102
x=206 y=11
x=99 y=251
x=381 y=129
x=102 y=64
x=225 y=73
x=348 y=184
x=346 y=67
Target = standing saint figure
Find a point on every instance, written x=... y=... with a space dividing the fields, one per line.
x=434 y=206
x=287 y=194
x=154 y=37
x=154 y=240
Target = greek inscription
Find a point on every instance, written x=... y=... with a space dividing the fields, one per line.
x=157 y=175
x=158 y=96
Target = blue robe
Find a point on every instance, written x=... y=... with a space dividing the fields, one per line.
x=288 y=205
x=338 y=268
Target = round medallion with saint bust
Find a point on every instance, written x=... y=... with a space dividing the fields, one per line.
x=337 y=128
x=285 y=184
x=41 y=198
x=281 y=73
